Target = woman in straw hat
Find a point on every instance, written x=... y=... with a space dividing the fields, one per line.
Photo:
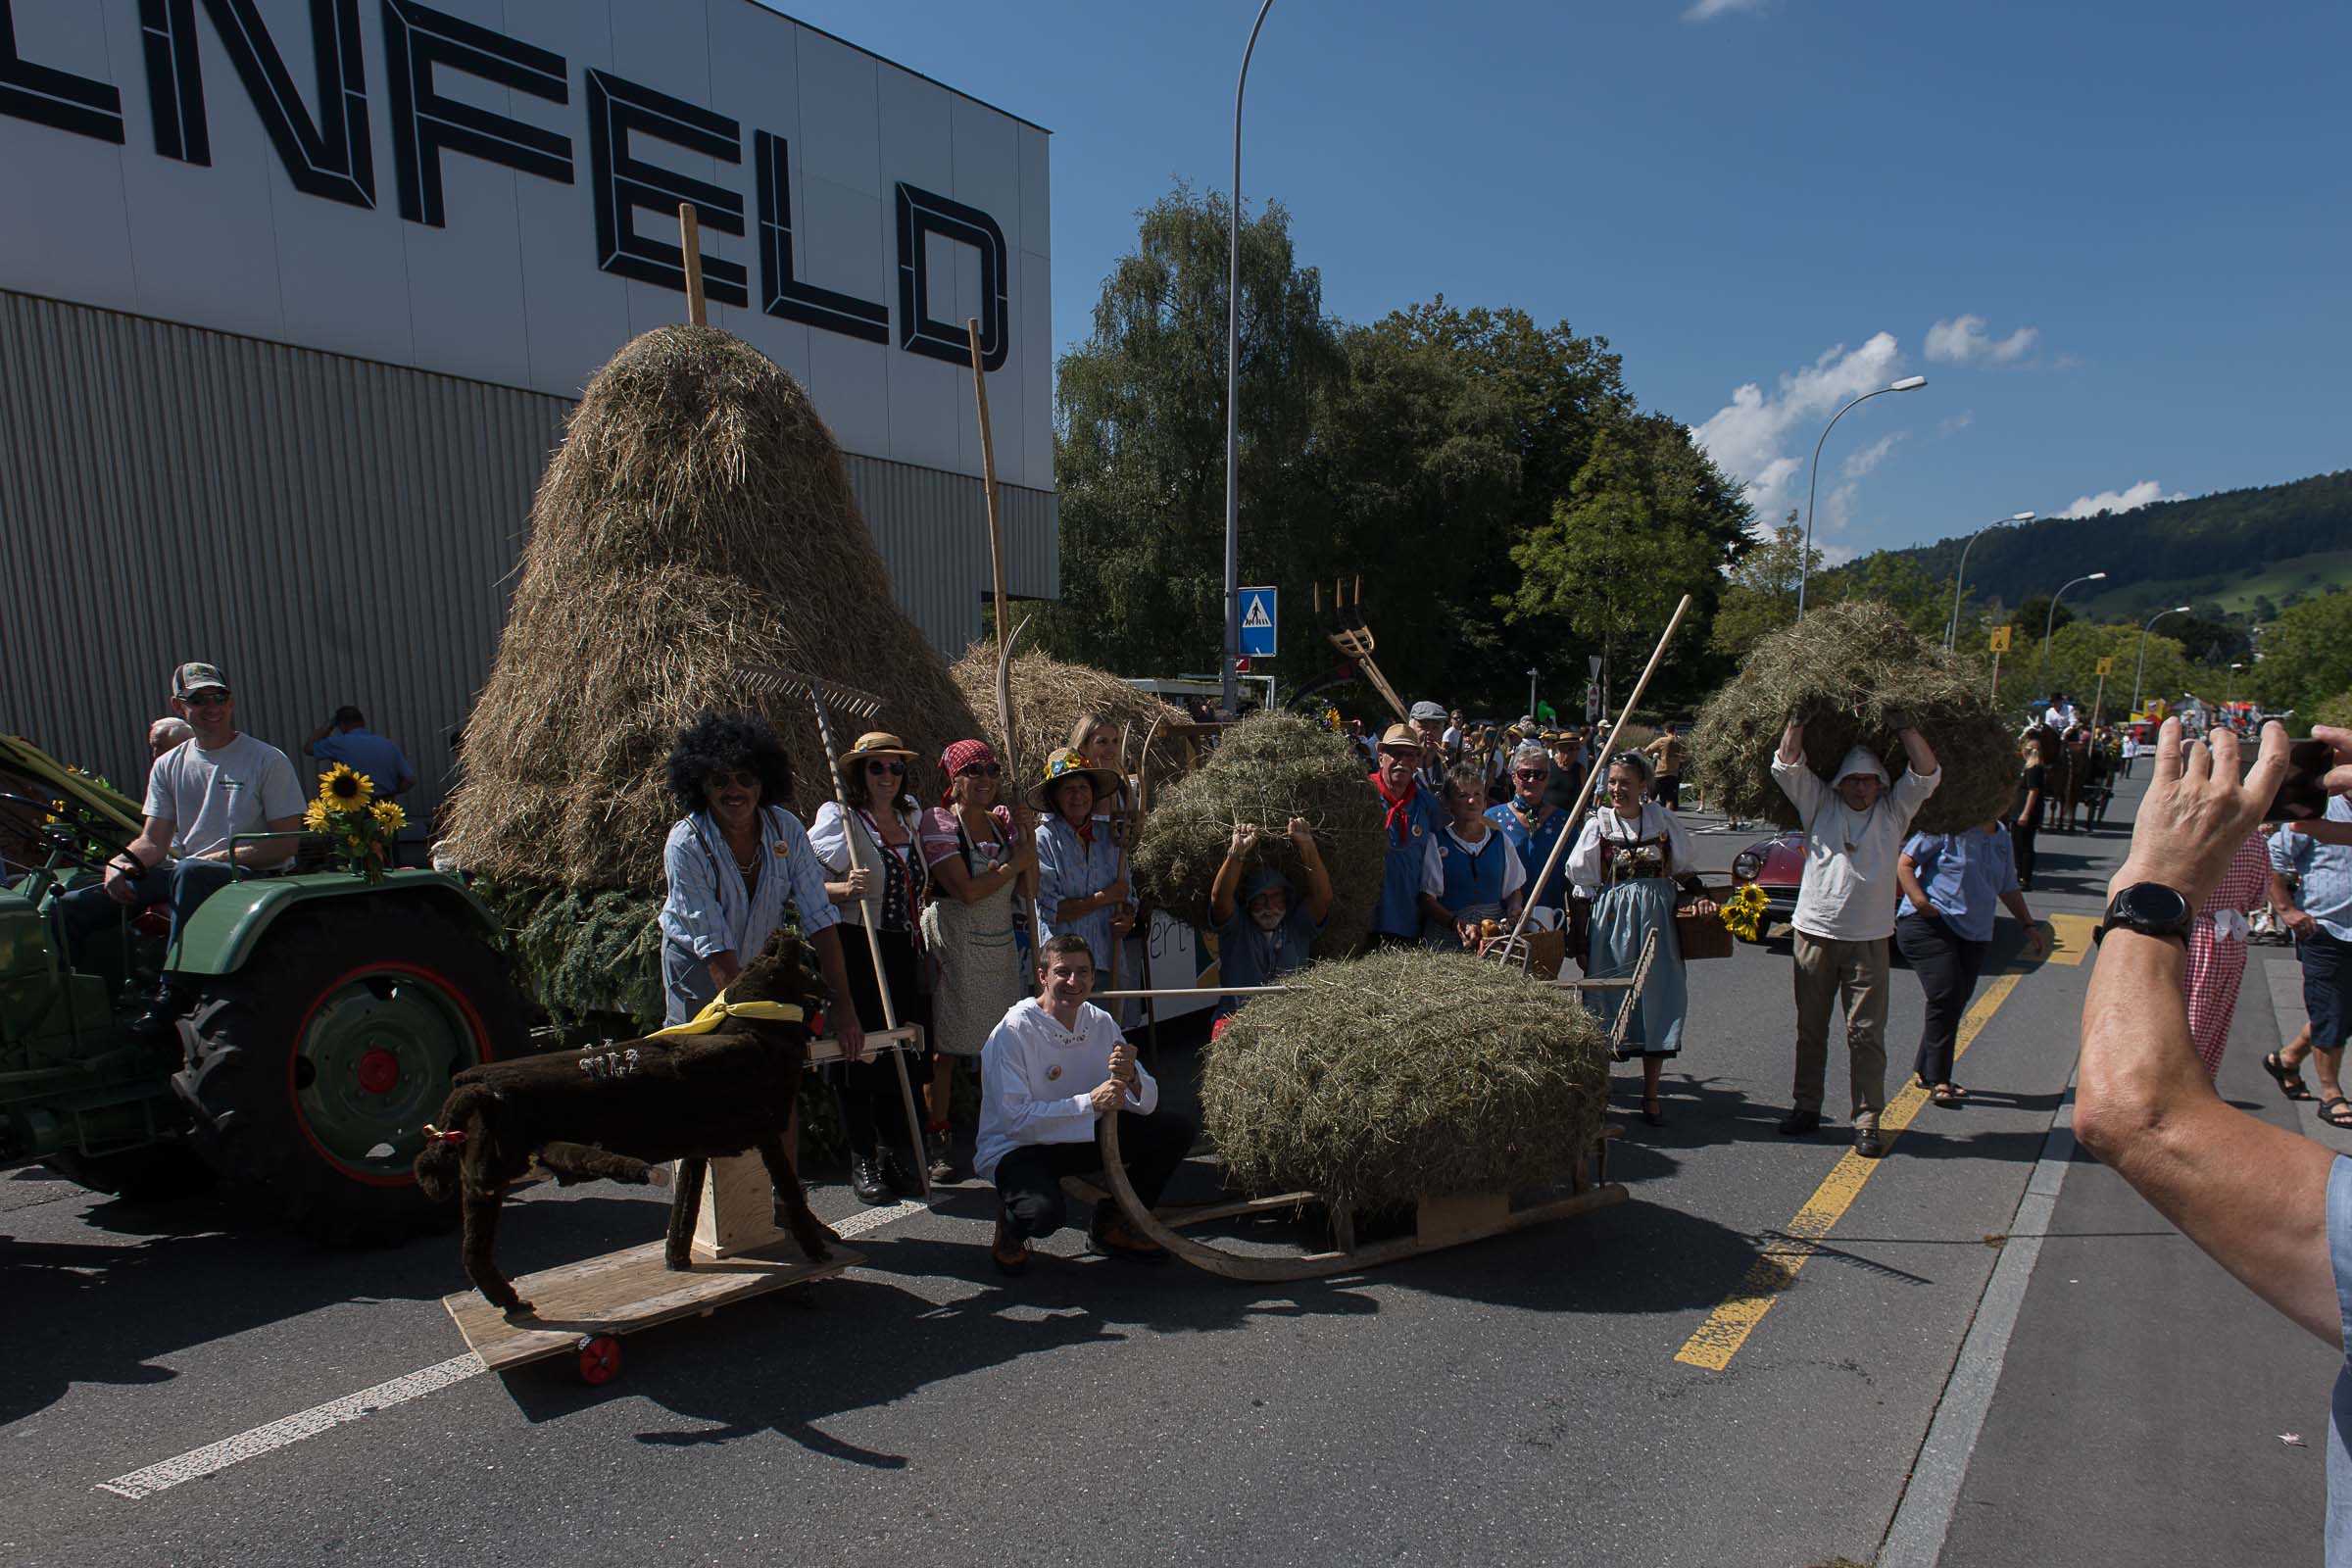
x=732 y=863
x=1627 y=860
x=1079 y=887
x=978 y=857
x=873 y=775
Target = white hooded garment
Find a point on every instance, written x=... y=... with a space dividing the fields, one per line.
x=1850 y=893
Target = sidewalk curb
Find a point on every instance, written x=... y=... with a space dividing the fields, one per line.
x=1923 y=1517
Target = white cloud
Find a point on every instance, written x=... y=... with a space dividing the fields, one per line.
x=1963 y=340
x=1750 y=437
x=1705 y=9
x=1871 y=455
x=1833 y=555
x=1957 y=422
x=2131 y=500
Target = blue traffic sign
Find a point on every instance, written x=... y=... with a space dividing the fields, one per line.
x=1259 y=616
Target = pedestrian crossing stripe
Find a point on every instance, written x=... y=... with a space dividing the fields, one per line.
x=1255 y=617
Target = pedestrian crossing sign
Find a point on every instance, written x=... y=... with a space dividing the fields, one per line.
x=2001 y=640
x=1259 y=613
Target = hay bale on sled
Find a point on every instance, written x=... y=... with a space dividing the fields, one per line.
x=1846 y=669
x=1048 y=698
x=1402 y=1075
x=696 y=518
x=1268 y=768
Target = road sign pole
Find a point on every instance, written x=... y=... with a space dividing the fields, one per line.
x=1996 y=677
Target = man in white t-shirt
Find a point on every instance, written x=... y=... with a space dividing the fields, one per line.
x=1846 y=906
x=200 y=794
x=1049 y=1072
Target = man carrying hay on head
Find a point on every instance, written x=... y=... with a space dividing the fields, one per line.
x=1413 y=815
x=1048 y=1074
x=1269 y=931
x=1845 y=903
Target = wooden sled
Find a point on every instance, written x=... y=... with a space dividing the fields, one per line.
x=582 y=1308
x=1440 y=1222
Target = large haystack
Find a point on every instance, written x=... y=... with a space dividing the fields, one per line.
x=1846 y=668
x=1051 y=696
x=1268 y=768
x=1405 y=1074
x=696 y=518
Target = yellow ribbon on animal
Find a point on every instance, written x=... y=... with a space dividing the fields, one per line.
x=721 y=1009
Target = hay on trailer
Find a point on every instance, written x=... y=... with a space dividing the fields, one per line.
x=1405 y=1074
x=1846 y=668
x=1266 y=769
x=1048 y=698
x=696 y=518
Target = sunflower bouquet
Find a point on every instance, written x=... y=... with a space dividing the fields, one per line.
x=1744 y=912
x=358 y=827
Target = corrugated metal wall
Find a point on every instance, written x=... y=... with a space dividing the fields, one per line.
x=329 y=529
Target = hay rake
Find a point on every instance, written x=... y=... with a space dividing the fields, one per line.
x=1354 y=638
x=775 y=680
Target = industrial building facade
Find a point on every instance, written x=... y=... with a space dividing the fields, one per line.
x=301 y=292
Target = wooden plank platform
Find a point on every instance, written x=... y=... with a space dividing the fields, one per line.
x=622 y=1292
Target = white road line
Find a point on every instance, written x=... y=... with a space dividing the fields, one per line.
x=213 y=1458
x=1915 y=1539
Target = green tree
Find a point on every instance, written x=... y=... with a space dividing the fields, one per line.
x=1760 y=597
x=1611 y=562
x=2306 y=655
x=1897 y=580
x=1140 y=448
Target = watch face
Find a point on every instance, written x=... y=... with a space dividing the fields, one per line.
x=2150 y=906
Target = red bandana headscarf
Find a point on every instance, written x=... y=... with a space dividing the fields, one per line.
x=958 y=757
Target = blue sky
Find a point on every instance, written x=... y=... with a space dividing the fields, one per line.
x=2115 y=237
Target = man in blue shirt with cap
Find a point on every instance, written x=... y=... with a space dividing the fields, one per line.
x=1268 y=932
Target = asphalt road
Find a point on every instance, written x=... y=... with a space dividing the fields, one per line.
x=1518 y=1401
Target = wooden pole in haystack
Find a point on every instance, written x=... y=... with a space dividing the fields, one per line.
x=690 y=240
x=1584 y=793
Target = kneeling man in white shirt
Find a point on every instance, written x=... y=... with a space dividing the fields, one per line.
x=1049 y=1072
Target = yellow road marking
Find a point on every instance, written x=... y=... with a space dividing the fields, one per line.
x=2070 y=937
x=1774 y=1269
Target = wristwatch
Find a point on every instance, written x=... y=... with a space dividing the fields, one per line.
x=2149 y=907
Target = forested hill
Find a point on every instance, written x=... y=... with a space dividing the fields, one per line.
x=2204 y=550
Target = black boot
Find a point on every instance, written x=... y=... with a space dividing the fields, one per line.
x=159 y=1024
x=866 y=1180
x=897 y=1173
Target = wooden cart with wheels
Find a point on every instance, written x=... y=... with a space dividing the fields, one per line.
x=581 y=1309
x=1439 y=1221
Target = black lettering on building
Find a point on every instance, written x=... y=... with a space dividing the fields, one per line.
x=781 y=293
x=619 y=109
x=922 y=213
x=55 y=98
x=419 y=39
x=330 y=156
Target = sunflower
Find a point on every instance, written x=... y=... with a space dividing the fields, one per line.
x=344 y=790
x=314 y=816
x=388 y=816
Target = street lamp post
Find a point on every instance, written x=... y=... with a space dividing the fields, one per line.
x=2232 y=698
x=2051 y=624
x=1951 y=635
x=1804 y=561
x=2142 y=668
x=1233 y=409
x=1530 y=691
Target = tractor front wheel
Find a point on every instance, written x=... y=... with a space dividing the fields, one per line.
x=316 y=1066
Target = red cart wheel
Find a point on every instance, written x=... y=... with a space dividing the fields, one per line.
x=599 y=1358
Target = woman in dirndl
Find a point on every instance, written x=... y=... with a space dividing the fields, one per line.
x=883 y=814
x=980 y=858
x=1628 y=861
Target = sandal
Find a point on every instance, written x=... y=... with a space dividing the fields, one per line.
x=1950 y=1096
x=1653 y=1111
x=2290 y=1079
x=2334 y=1117
x=1017 y=1261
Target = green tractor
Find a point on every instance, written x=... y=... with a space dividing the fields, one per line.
x=331 y=1013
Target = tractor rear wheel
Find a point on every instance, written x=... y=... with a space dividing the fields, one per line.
x=314 y=1068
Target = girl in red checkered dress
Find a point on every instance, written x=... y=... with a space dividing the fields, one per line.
x=2217 y=962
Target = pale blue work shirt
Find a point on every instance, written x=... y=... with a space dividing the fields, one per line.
x=1964 y=875
x=1248 y=957
x=707 y=911
x=1069 y=867
x=2323 y=871
x=363 y=751
x=1399 y=912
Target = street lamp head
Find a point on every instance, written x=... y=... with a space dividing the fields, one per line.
x=1909 y=384
x=2022 y=516
x=2177 y=610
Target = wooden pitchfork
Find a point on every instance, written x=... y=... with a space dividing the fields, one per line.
x=1354 y=638
x=777 y=681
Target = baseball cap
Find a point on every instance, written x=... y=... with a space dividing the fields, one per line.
x=1422 y=711
x=196 y=677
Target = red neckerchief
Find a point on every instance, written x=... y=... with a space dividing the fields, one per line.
x=1084 y=831
x=1400 y=806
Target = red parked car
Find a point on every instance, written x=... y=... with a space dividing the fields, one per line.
x=1776 y=864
